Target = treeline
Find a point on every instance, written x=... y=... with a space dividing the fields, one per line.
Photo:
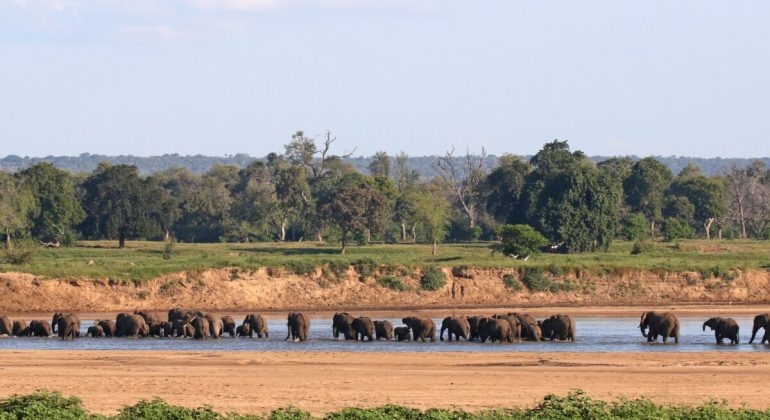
x=425 y=165
x=306 y=192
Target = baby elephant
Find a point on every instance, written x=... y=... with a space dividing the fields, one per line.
x=723 y=328
x=402 y=334
x=95 y=331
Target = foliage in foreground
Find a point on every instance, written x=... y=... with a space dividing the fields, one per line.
x=575 y=405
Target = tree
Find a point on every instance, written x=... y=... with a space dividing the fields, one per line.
x=463 y=179
x=56 y=208
x=303 y=151
x=520 y=240
x=645 y=188
x=706 y=196
x=380 y=165
x=618 y=167
x=432 y=213
x=15 y=205
x=406 y=178
x=116 y=203
x=503 y=187
x=353 y=205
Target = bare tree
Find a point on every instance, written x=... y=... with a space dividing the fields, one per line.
x=738 y=191
x=303 y=151
x=463 y=179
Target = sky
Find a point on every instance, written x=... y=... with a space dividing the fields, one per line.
x=219 y=77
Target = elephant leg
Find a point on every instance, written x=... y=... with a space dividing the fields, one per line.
x=766 y=337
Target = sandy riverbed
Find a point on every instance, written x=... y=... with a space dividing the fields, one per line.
x=321 y=382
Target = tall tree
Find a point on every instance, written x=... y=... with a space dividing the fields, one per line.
x=503 y=187
x=705 y=194
x=380 y=165
x=15 y=206
x=463 y=179
x=645 y=188
x=116 y=203
x=432 y=213
x=56 y=208
x=353 y=205
x=302 y=150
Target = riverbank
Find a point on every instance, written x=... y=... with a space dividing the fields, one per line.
x=323 y=382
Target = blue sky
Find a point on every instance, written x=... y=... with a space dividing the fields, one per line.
x=218 y=77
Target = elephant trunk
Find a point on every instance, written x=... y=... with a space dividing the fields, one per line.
x=704 y=326
x=753 y=333
x=644 y=330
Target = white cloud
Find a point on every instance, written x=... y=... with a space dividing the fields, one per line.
x=43 y=5
x=237 y=5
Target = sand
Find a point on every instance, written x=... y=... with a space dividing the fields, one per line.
x=255 y=382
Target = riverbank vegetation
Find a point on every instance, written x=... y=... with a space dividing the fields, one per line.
x=576 y=405
x=146 y=260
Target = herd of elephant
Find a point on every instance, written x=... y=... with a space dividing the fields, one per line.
x=509 y=327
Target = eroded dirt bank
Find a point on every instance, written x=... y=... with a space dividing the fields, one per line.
x=263 y=289
x=320 y=382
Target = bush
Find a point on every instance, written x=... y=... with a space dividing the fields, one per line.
x=366 y=267
x=719 y=272
x=301 y=267
x=159 y=409
x=168 y=250
x=674 y=229
x=635 y=227
x=23 y=253
x=520 y=240
x=338 y=268
x=512 y=282
x=391 y=283
x=42 y=405
x=536 y=280
x=432 y=279
x=641 y=247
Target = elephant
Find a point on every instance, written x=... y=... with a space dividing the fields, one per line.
x=70 y=318
x=95 y=331
x=383 y=330
x=457 y=326
x=257 y=325
x=513 y=321
x=182 y=328
x=167 y=329
x=342 y=322
x=363 y=327
x=422 y=328
x=215 y=324
x=495 y=329
x=558 y=327
x=298 y=326
x=201 y=326
x=39 y=328
x=243 y=330
x=6 y=326
x=664 y=324
x=473 y=321
x=66 y=325
x=156 y=329
x=19 y=328
x=529 y=328
x=761 y=321
x=131 y=325
x=228 y=325
x=175 y=314
x=723 y=328
x=149 y=318
x=108 y=327
x=402 y=334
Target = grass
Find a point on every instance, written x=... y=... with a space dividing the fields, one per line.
x=575 y=405
x=144 y=260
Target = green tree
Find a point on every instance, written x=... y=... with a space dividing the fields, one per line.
x=645 y=189
x=618 y=167
x=634 y=227
x=520 y=240
x=503 y=187
x=116 y=203
x=706 y=196
x=432 y=213
x=352 y=204
x=56 y=208
x=15 y=205
x=380 y=165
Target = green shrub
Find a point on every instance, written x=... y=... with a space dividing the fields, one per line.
x=635 y=227
x=535 y=280
x=520 y=240
x=576 y=405
x=640 y=247
x=338 y=268
x=43 y=405
x=290 y=413
x=674 y=229
x=159 y=409
x=392 y=283
x=555 y=270
x=366 y=267
x=301 y=267
x=432 y=279
x=22 y=253
x=719 y=273
x=512 y=282
x=168 y=250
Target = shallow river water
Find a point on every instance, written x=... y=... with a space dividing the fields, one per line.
x=594 y=334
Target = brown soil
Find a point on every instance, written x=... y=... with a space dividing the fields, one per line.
x=275 y=290
x=321 y=382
